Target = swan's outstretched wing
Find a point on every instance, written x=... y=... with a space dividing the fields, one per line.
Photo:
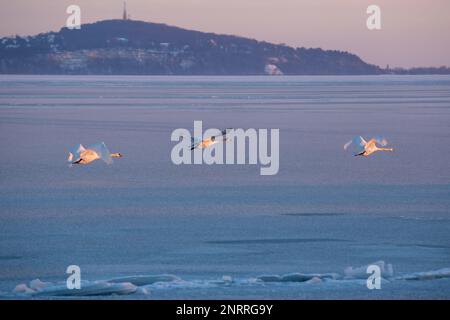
x=347 y=144
x=357 y=144
x=80 y=148
x=381 y=141
x=195 y=142
x=226 y=131
x=102 y=150
x=223 y=136
x=74 y=153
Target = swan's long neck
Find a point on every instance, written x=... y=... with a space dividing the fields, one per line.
x=386 y=149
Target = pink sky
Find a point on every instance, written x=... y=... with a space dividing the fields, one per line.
x=414 y=32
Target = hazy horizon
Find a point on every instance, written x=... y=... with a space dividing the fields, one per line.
x=410 y=34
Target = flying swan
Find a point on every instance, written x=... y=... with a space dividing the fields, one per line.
x=82 y=155
x=363 y=148
x=201 y=144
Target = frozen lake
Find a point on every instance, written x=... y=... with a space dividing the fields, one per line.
x=219 y=228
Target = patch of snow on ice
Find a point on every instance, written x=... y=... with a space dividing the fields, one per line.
x=146 y=279
x=272 y=70
x=387 y=271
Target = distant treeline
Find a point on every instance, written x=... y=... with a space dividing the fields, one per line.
x=420 y=70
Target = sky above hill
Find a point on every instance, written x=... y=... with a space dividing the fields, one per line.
x=413 y=32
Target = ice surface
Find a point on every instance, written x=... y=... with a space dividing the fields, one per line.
x=298 y=277
x=427 y=275
x=145 y=286
x=145 y=280
x=88 y=288
x=323 y=212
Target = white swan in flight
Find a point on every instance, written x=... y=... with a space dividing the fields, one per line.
x=201 y=144
x=82 y=155
x=363 y=148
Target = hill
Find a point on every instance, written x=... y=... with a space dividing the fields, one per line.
x=141 y=48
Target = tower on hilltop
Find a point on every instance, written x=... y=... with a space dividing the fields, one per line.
x=125 y=15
